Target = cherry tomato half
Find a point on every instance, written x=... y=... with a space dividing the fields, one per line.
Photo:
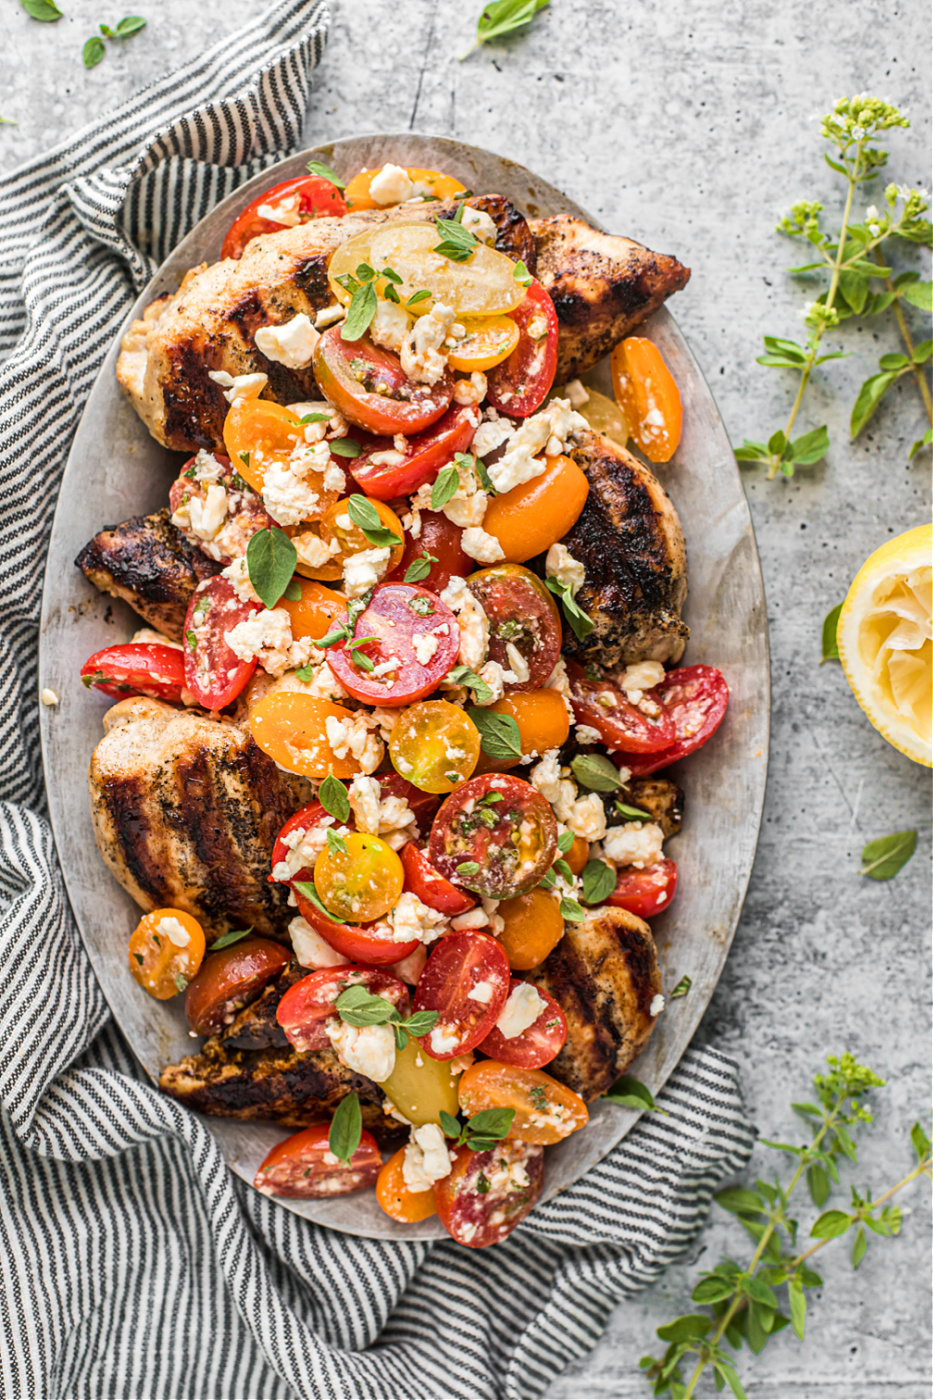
x=137 y=668
x=430 y=887
x=258 y=433
x=696 y=698
x=361 y=943
x=358 y=877
x=423 y=456
x=214 y=673
x=439 y=545
x=522 y=615
x=304 y=820
x=231 y=979
x=339 y=531
x=545 y=1111
x=410 y=627
x=648 y=396
x=166 y=949
x=530 y=518
x=307 y=1006
x=245 y=512
x=488 y=1193
x=369 y=386
x=488 y=341
x=284 y=206
x=538 y=1045
x=316 y=611
x=395 y=1198
x=534 y=926
x=430 y=182
x=622 y=726
x=435 y=745
x=303 y=1166
x=292 y=729
x=645 y=892
x=466 y=981
x=542 y=719
x=495 y=835
x=519 y=385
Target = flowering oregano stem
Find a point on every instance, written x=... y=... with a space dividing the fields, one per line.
x=922 y=1169
x=907 y=338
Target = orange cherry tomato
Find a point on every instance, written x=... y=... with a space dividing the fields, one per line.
x=545 y=1111
x=542 y=720
x=435 y=745
x=337 y=527
x=258 y=433
x=291 y=729
x=316 y=611
x=305 y=541
x=648 y=397
x=489 y=340
x=395 y=1198
x=578 y=855
x=531 y=517
x=166 y=950
x=534 y=926
x=425 y=181
x=358 y=877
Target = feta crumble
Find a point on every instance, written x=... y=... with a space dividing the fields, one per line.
x=369 y=1050
x=311 y=950
x=479 y=224
x=657 y=1005
x=291 y=344
x=391 y=185
x=361 y=571
x=174 y=930
x=560 y=564
x=267 y=635
x=548 y=431
x=390 y=325
x=240 y=387
x=471 y=620
x=422 y=353
x=484 y=548
x=635 y=843
x=521 y=1010
x=410 y=919
x=426 y=1159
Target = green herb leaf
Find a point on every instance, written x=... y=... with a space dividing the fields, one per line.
x=594 y=770
x=631 y=1093
x=564 y=841
x=226 y=939
x=581 y=624
x=292 y=591
x=572 y=912
x=632 y=814
x=449 y=1124
x=360 y=313
x=43 y=10
x=499 y=734
x=920 y=294
x=364 y=514
x=464 y=676
x=809 y=449
x=468 y=867
x=817 y=1184
x=687 y=1328
x=457 y=242
x=830 y=1224
x=502 y=17
x=682 y=988
x=882 y=859
x=491 y=1123
x=740 y=1201
x=599 y=880
x=345 y=447
x=336 y=844
x=190 y=637
x=419 y=568
x=798 y=1306
x=309 y=891
x=521 y=274
x=181 y=982
x=417 y=296
x=346 y=1128
x=920 y=1141
x=132 y=24
x=270 y=559
x=93 y=51
x=421 y=1022
x=869 y=397
x=364 y=1010
x=445 y=487
x=313 y=418
x=830 y=644
x=317 y=167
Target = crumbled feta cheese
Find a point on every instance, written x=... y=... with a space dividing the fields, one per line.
x=291 y=344
x=560 y=792
x=444 y=1039
x=303 y=846
x=287 y=212
x=390 y=325
x=473 y=918
x=472 y=621
x=426 y=1158
x=521 y=462
x=287 y=498
x=361 y=571
x=425 y=645
x=238 y=574
x=391 y=185
x=368 y=1050
x=521 y=1010
x=311 y=950
x=409 y=969
x=496 y=921
x=635 y=843
x=519 y=666
x=657 y=1005
x=479 y=223
x=586 y=734
x=482 y=992
x=472 y=390
x=410 y=919
x=485 y=549
x=560 y=564
x=577 y=393
x=587 y=818
x=174 y=930
x=267 y=635
x=312 y=550
x=205 y=467
x=206 y=516
x=642 y=676
x=240 y=387
x=329 y=316
x=354 y=735
x=494 y=676
x=363 y=793
x=489 y=435
x=422 y=353
x=559 y=680
x=49 y=696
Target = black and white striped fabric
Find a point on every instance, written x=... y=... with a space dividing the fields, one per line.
x=132 y=1263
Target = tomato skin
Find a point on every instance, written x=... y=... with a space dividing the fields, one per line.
x=358 y=196
x=480 y=1218
x=407 y=407
x=425 y=453
x=137 y=668
x=534 y=1047
x=395 y=1198
x=393 y=617
x=362 y=881
x=530 y=518
x=214 y=674
x=521 y=611
x=358 y=942
x=645 y=892
x=462 y=834
x=306 y=818
x=622 y=726
x=289 y=726
x=696 y=698
x=308 y=1005
x=440 y=538
x=545 y=1111
x=231 y=979
x=431 y=887
x=316 y=611
x=534 y=926
x=520 y=384
x=297 y=1166
x=457 y=964
x=645 y=390
x=316 y=198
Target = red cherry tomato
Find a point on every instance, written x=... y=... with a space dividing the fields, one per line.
x=644 y=892
x=398 y=615
x=488 y=1193
x=348 y=373
x=458 y=965
x=495 y=834
x=305 y=819
x=520 y=384
x=441 y=540
x=303 y=1166
x=306 y=1007
x=430 y=887
x=424 y=454
x=137 y=668
x=214 y=674
x=361 y=943
x=621 y=725
x=297 y=201
x=696 y=698
x=231 y=979
x=521 y=613
x=538 y=1045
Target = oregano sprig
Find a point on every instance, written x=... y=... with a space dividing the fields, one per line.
x=357 y=1007
x=482 y=1131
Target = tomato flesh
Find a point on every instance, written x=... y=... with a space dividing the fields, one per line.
x=306 y=1007
x=519 y=385
x=424 y=455
x=545 y=1111
x=361 y=943
x=435 y=744
x=458 y=965
x=404 y=620
x=621 y=725
x=495 y=834
x=440 y=541
x=430 y=886
x=522 y=614
x=395 y=1198
x=295 y=201
x=645 y=892
x=534 y=1047
x=696 y=698
x=488 y=1193
x=299 y=1166
x=137 y=668
x=349 y=372
x=245 y=512
x=230 y=979
x=214 y=674
x=358 y=876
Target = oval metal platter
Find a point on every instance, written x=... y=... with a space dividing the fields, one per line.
x=116 y=469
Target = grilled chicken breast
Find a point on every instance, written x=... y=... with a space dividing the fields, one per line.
x=661 y=798
x=186 y=810
x=602 y=287
x=210 y=322
x=630 y=541
x=604 y=976
x=148 y=562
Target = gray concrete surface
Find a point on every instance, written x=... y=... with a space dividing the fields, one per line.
x=692 y=127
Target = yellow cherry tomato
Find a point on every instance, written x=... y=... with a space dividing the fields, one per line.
x=316 y=611
x=533 y=926
x=166 y=950
x=489 y=340
x=337 y=528
x=434 y=745
x=484 y=285
x=421 y=1087
x=359 y=877
x=291 y=729
x=545 y=1111
x=430 y=182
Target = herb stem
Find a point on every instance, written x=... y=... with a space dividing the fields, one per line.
x=921 y=1169
x=908 y=345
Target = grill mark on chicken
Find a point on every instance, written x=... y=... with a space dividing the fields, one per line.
x=148 y=562
x=661 y=798
x=125 y=800
x=310 y=273
x=513 y=234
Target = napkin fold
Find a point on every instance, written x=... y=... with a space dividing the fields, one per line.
x=133 y=1262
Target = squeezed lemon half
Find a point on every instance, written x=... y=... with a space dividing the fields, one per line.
x=885 y=638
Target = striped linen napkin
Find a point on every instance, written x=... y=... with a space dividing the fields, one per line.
x=132 y=1262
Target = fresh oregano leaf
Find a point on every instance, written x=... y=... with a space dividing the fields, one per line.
x=521 y=274
x=336 y=844
x=581 y=624
x=468 y=867
x=226 y=939
x=332 y=795
x=464 y=676
x=631 y=1093
x=364 y=514
x=682 y=988
x=564 y=840
x=830 y=643
x=499 y=734
x=309 y=891
x=346 y=1128
x=270 y=559
x=445 y=487
x=43 y=10
x=292 y=591
x=345 y=447
x=882 y=859
x=132 y=24
x=93 y=52
x=595 y=771
x=419 y=568
x=571 y=911
x=317 y=167
x=360 y=313
x=502 y=17
x=632 y=814
x=365 y=1010
x=599 y=880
